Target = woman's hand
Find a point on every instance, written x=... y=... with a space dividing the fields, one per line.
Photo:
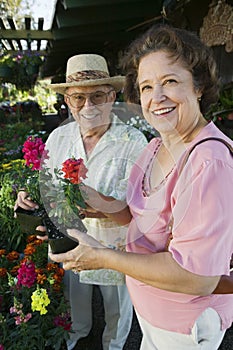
x=97 y=203
x=89 y=212
x=84 y=257
x=24 y=201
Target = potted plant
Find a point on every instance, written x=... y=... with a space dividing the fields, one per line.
x=221 y=113
x=58 y=197
x=6 y=65
x=21 y=69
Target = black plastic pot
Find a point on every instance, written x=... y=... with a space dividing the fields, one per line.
x=59 y=241
x=29 y=220
x=62 y=245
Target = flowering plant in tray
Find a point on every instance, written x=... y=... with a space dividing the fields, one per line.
x=33 y=311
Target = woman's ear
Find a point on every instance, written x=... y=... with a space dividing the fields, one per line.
x=199 y=94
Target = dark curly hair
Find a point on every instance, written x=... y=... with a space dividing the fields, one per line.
x=181 y=45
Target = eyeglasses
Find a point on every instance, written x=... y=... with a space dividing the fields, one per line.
x=97 y=98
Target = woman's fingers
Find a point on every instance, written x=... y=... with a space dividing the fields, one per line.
x=68 y=258
x=81 y=256
x=84 y=238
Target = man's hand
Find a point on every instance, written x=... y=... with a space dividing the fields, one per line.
x=42 y=229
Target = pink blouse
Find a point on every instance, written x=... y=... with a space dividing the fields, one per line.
x=200 y=202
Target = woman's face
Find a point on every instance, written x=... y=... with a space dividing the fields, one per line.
x=168 y=98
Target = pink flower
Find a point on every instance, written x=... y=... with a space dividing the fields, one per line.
x=17 y=308
x=22 y=318
x=34 y=152
x=13 y=310
x=1 y=347
x=26 y=274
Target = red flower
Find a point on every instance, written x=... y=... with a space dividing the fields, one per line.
x=52 y=266
x=41 y=278
x=74 y=170
x=63 y=321
x=3 y=272
x=3 y=252
x=12 y=256
x=30 y=249
x=14 y=270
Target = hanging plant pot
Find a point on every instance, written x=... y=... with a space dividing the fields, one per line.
x=25 y=82
x=5 y=72
x=32 y=69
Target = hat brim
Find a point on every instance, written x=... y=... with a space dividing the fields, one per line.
x=117 y=82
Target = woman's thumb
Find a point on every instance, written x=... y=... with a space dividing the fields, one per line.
x=77 y=235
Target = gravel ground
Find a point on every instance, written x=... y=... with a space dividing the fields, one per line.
x=93 y=341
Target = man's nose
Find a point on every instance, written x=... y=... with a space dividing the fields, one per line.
x=88 y=102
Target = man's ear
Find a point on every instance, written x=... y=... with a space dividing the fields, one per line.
x=113 y=96
x=66 y=99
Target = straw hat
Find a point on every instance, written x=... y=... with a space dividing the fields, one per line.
x=87 y=70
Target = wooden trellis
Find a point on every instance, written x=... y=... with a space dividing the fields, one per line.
x=11 y=38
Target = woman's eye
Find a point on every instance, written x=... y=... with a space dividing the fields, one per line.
x=169 y=81
x=146 y=87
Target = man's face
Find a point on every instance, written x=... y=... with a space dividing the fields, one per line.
x=90 y=105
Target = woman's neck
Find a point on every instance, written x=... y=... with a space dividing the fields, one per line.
x=170 y=141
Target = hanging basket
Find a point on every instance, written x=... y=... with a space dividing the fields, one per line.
x=32 y=70
x=5 y=72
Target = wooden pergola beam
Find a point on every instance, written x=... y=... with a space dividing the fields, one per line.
x=40 y=52
x=13 y=36
x=71 y=4
x=10 y=34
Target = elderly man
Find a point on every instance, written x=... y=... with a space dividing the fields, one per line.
x=109 y=148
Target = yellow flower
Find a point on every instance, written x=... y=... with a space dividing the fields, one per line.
x=40 y=300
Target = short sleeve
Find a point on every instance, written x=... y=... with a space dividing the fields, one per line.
x=203 y=219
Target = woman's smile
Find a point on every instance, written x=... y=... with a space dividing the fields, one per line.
x=163 y=112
